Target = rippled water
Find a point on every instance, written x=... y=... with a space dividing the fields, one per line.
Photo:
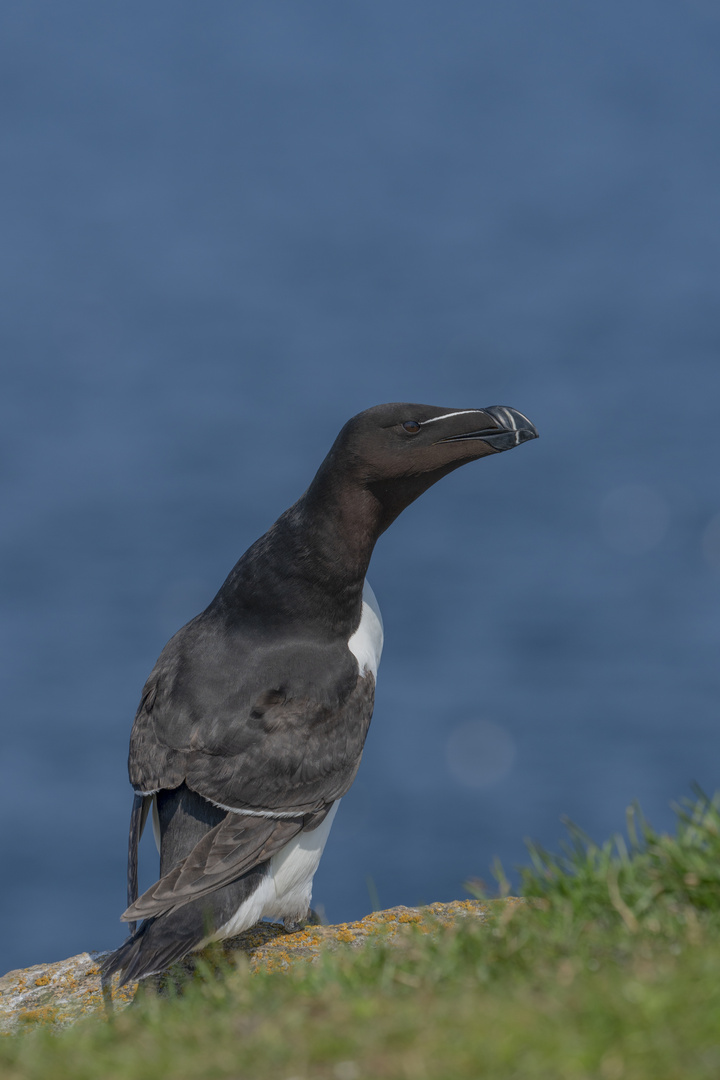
x=225 y=230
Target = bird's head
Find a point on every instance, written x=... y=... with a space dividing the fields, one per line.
x=401 y=440
x=398 y=450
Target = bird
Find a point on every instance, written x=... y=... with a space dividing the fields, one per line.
x=251 y=725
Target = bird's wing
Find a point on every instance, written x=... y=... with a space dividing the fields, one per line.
x=284 y=736
x=280 y=737
x=233 y=847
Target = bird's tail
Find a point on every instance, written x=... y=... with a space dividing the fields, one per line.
x=161 y=941
x=151 y=950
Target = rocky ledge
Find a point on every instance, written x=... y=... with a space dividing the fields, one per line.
x=59 y=994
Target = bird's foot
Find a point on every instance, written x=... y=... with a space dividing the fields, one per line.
x=293 y=926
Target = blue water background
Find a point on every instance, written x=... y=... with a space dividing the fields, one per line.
x=228 y=227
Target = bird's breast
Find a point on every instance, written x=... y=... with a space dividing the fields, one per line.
x=366 y=644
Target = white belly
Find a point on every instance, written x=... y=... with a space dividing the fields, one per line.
x=286 y=891
x=293 y=869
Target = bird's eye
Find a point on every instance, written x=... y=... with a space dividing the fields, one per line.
x=411 y=426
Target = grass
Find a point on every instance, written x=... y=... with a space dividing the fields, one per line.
x=610 y=971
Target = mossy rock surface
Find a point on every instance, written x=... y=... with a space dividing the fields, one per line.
x=60 y=993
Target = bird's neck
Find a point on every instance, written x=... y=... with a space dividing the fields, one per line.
x=309 y=568
x=340 y=520
x=311 y=565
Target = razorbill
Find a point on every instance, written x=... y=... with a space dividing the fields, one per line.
x=251 y=726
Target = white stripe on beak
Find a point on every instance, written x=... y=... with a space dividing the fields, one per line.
x=445 y=416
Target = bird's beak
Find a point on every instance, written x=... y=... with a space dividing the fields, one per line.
x=503 y=428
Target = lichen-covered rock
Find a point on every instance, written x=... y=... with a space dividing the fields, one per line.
x=55 y=994
x=307 y=944
x=58 y=994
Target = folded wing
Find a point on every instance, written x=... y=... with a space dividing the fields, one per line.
x=236 y=845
